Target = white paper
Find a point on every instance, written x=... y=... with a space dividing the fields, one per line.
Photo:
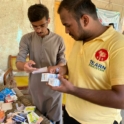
x=6 y=106
x=40 y=70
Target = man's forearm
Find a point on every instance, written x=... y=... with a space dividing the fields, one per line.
x=20 y=66
x=109 y=98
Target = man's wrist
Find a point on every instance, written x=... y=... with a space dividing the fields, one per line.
x=72 y=90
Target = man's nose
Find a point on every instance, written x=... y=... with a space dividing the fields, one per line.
x=38 y=30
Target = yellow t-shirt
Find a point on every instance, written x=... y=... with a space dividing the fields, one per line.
x=97 y=64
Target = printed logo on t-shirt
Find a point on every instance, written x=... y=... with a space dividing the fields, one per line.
x=101 y=55
x=97 y=65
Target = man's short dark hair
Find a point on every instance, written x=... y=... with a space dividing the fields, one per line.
x=37 y=12
x=78 y=8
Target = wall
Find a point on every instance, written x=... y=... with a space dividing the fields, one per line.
x=112 y=5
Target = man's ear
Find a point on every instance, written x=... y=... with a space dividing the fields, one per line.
x=48 y=20
x=85 y=20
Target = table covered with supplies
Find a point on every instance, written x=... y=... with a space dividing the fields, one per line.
x=16 y=108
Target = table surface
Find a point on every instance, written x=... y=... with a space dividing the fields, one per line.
x=22 y=99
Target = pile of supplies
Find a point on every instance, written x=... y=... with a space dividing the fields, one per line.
x=22 y=114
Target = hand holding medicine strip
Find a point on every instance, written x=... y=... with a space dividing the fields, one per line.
x=57 y=70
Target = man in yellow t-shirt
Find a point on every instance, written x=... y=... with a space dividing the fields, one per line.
x=95 y=88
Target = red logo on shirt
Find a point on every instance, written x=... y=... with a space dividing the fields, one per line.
x=101 y=55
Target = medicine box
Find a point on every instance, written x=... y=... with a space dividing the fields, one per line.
x=54 y=82
x=45 y=76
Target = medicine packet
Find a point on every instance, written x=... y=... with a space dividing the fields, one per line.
x=54 y=82
x=45 y=76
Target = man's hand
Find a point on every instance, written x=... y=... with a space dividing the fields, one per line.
x=65 y=87
x=53 y=69
x=28 y=66
x=62 y=70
